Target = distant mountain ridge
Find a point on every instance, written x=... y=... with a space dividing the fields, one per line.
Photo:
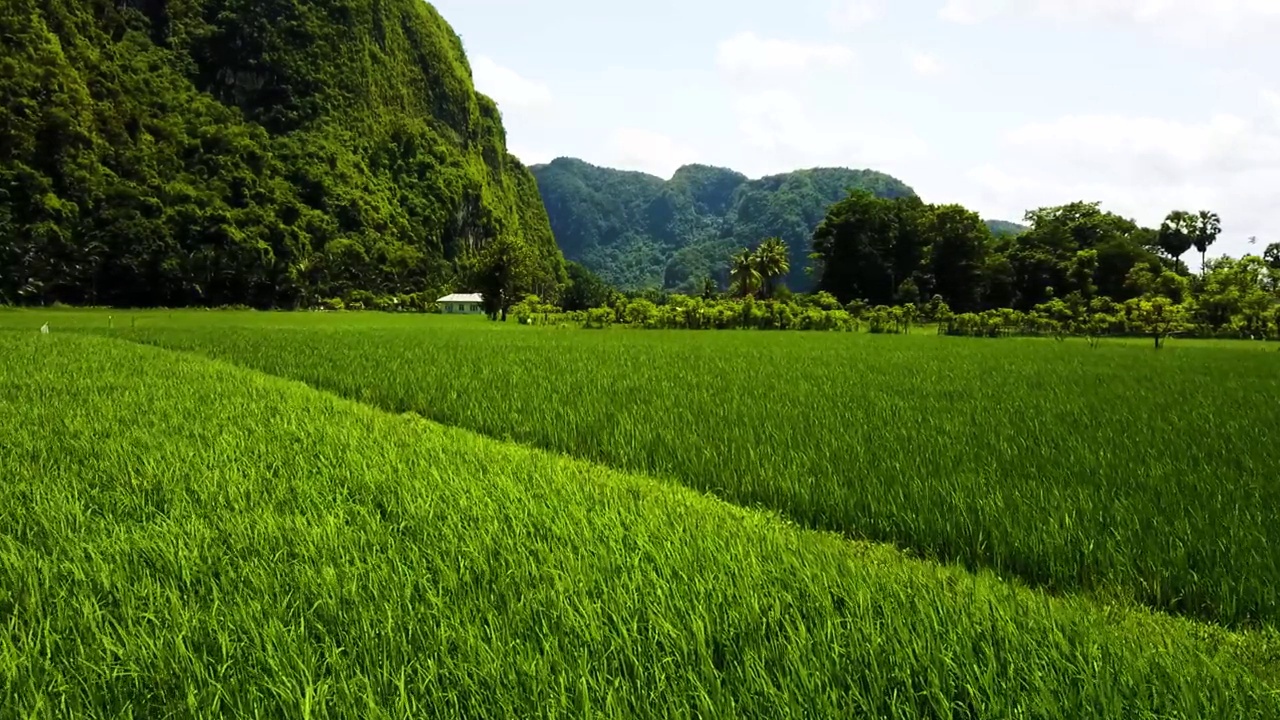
x=1004 y=227
x=637 y=230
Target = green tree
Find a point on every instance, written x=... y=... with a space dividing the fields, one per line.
x=908 y=293
x=957 y=242
x=1084 y=268
x=1178 y=233
x=1116 y=258
x=853 y=249
x=1146 y=282
x=1235 y=293
x=999 y=281
x=1158 y=317
x=1207 y=228
x=744 y=273
x=503 y=276
x=824 y=301
x=585 y=289
x=1043 y=257
x=1272 y=255
x=710 y=290
x=770 y=262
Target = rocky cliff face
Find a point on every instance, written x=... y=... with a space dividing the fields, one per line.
x=268 y=152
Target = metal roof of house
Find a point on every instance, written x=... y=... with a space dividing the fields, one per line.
x=461 y=297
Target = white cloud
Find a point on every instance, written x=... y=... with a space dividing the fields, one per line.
x=530 y=156
x=648 y=151
x=1143 y=167
x=510 y=89
x=749 y=54
x=964 y=12
x=1138 y=148
x=853 y=14
x=1192 y=21
x=1271 y=100
x=925 y=64
x=786 y=118
x=785 y=134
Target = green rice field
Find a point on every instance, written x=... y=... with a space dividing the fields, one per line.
x=1121 y=470
x=218 y=514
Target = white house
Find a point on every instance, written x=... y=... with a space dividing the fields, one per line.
x=468 y=303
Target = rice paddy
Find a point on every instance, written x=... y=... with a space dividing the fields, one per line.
x=267 y=515
x=1141 y=475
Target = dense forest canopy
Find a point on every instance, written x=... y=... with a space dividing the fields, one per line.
x=902 y=250
x=264 y=152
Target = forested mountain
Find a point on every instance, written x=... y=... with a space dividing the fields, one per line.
x=267 y=152
x=637 y=230
x=1004 y=227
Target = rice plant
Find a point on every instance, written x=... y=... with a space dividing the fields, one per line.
x=185 y=538
x=1119 y=471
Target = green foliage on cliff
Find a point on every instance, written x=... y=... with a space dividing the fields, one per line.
x=267 y=152
x=637 y=230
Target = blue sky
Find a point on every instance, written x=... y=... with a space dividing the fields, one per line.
x=1002 y=105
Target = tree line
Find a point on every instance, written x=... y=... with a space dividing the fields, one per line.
x=903 y=250
x=887 y=265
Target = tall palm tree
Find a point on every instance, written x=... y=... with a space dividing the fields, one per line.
x=743 y=273
x=1208 y=226
x=1177 y=233
x=771 y=262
